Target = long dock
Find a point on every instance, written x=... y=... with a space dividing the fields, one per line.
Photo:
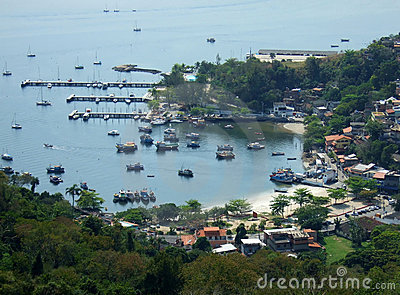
x=99 y=85
x=88 y=115
x=97 y=99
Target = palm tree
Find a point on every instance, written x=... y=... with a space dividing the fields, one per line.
x=74 y=190
x=302 y=196
x=279 y=203
x=34 y=182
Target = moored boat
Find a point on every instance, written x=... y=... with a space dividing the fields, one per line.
x=255 y=146
x=170 y=131
x=136 y=167
x=163 y=146
x=229 y=126
x=43 y=103
x=280 y=190
x=47 y=145
x=193 y=144
x=225 y=147
x=278 y=153
x=171 y=137
x=7 y=157
x=7 y=170
x=193 y=135
x=283 y=175
x=113 y=132
x=225 y=155
x=146 y=129
x=185 y=172
x=158 y=122
x=129 y=146
x=55 y=169
x=84 y=186
x=146 y=139
x=55 y=179
x=152 y=196
x=289 y=159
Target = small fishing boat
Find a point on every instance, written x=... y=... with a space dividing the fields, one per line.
x=130 y=195
x=193 y=136
x=146 y=129
x=283 y=176
x=146 y=139
x=255 y=146
x=280 y=190
x=225 y=147
x=150 y=175
x=136 y=117
x=211 y=40
x=127 y=101
x=225 y=155
x=47 y=145
x=84 y=186
x=171 y=137
x=136 y=28
x=170 y=131
x=129 y=146
x=49 y=85
x=55 y=179
x=176 y=121
x=163 y=146
x=7 y=170
x=193 y=144
x=290 y=159
x=106 y=117
x=152 y=196
x=278 y=153
x=185 y=172
x=345 y=40
x=115 y=100
x=113 y=132
x=7 y=157
x=158 y=122
x=97 y=100
x=334 y=45
x=228 y=126
x=144 y=194
x=43 y=103
x=136 y=167
x=55 y=169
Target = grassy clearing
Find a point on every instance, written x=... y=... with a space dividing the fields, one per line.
x=337 y=248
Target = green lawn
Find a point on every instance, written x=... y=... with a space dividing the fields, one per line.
x=336 y=248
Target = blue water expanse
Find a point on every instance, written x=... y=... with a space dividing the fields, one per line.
x=61 y=32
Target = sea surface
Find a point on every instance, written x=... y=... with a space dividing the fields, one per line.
x=65 y=33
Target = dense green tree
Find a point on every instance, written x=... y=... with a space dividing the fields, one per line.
x=337 y=194
x=202 y=244
x=238 y=206
x=89 y=200
x=311 y=216
x=279 y=203
x=168 y=211
x=241 y=233
x=302 y=196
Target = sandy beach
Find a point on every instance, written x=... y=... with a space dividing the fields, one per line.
x=297 y=128
x=261 y=202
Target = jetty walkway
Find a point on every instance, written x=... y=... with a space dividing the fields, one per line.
x=108 y=98
x=100 y=85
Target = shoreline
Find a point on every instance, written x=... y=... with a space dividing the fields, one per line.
x=297 y=128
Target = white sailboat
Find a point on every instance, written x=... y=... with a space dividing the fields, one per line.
x=6 y=72
x=106 y=9
x=78 y=66
x=14 y=124
x=97 y=62
x=43 y=102
x=29 y=53
x=116 y=7
x=136 y=28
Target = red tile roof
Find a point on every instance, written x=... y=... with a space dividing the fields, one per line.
x=188 y=240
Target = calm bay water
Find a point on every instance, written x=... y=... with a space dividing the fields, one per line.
x=59 y=33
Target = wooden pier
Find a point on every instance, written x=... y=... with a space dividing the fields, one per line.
x=98 y=85
x=74 y=115
x=98 y=99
